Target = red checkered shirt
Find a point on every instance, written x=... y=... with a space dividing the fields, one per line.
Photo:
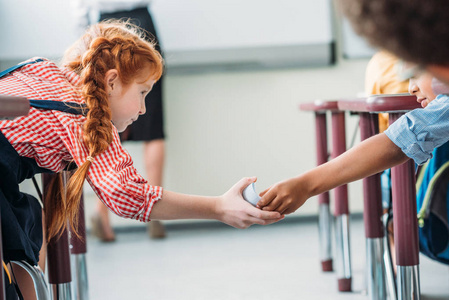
x=54 y=138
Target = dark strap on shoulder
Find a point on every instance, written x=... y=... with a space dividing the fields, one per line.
x=68 y=107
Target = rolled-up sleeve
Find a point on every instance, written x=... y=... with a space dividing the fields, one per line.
x=118 y=184
x=420 y=131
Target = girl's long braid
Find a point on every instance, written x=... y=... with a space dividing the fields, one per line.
x=127 y=53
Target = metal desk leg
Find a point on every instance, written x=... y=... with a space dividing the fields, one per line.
x=324 y=224
x=390 y=276
x=324 y=217
x=343 y=260
x=406 y=231
x=78 y=251
x=59 y=268
x=58 y=260
x=372 y=216
x=405 y=228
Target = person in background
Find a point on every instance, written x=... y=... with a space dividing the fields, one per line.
x=149 y=128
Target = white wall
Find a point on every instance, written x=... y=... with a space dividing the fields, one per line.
x=222 y=127
x=35 y=28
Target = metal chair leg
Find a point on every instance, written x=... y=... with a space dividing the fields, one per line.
x=390 y=277
x=78 y=252
x=406 y=231
x=375 y=269
x=372 y=216
x=61 y=291
x=40 y=284
x=343 y=257
x=405 y=227
x=325 y=217
x=408 y=282
x=59 y=268
x=59 y=274
x=324 y=224
x=79 y=277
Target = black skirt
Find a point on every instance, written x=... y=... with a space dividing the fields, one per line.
x=149 y=126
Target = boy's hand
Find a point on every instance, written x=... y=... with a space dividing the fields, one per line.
x=284 y=197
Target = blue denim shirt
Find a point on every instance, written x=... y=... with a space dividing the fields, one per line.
x=420 y=131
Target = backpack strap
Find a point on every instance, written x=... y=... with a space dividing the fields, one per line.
x=68 y=107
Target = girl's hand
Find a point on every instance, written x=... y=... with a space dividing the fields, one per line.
x=284 y=197
x=235 y=211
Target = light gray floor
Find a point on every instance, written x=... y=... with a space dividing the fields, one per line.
x=212 y=261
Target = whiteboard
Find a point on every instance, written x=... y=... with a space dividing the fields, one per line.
x=244 y=32
x=211 y=24
x=193 y=33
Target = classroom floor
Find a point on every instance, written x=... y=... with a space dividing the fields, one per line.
x=208 y=260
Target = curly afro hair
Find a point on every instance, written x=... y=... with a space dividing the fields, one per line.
x=415 y=30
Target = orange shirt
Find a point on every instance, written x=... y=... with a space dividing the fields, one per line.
x=381 y=78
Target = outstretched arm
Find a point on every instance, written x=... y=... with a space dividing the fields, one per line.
x=230 y=208
x=372 y=156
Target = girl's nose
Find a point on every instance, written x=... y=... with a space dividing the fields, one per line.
x=143 y=108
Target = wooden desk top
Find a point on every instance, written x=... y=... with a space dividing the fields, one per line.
x=320 y=106
x=12 y=106
x=381 y=103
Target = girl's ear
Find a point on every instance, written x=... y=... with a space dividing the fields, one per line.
x=111 y=79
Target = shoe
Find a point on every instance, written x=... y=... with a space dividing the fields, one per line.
x=99 y=231
x=156 y=230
